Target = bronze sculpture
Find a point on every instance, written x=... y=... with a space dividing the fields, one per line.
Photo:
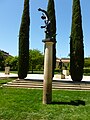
x=46 y=19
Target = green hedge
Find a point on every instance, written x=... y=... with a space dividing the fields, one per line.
x=86 y=71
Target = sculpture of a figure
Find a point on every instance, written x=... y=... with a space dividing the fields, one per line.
x=45 y=17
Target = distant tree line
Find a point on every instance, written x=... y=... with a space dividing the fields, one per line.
x=36 y=61
x=2 y=61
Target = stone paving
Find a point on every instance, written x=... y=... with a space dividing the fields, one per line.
x=8 y=75
x=36 y=81
x=41 y=77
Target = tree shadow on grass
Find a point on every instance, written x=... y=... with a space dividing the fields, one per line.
x=74 y=103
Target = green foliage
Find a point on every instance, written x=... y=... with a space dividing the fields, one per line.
x=23 y=62
x=36 y=60
x=87 y=66
x=76 y=44
x=87 y=70
x=26 y=104
x=51 y=13
x=7 y=61
x=5 y=81
x=12 y=62
x=2 y=63
x=87 y=62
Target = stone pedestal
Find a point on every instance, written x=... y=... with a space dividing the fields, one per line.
x=7 y=70
x=59 y=76
x=66 y=72
x=47 y=83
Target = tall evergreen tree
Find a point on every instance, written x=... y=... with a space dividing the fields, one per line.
x=76 y=44
x=51 y=13
x=24 y=42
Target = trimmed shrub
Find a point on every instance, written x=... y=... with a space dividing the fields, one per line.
x=76 y=44
x=23 y=63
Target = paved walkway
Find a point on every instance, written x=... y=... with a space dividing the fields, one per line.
x=41 y=76
x=10 y=75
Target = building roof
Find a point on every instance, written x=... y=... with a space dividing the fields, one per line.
x=64 y=60
x=6 y=54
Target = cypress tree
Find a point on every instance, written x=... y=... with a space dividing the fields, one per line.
x=52 y=17
x=23 y=63
x=76 y=43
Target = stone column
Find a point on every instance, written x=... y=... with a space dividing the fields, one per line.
x=47 y=83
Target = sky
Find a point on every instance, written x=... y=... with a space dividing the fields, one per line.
x=10 y=19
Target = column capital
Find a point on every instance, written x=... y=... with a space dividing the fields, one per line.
x=50 y=40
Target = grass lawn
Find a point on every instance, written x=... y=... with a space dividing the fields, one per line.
x=26 y=104
x=5 y=80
